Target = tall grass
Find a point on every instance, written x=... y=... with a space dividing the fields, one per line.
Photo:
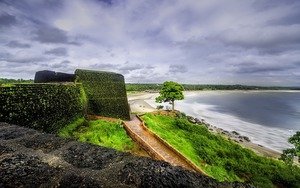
x=99 y=132
x=219 y=157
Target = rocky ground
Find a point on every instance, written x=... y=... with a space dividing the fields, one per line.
x=29 y=158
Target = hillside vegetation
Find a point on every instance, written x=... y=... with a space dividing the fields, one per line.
x=99 y=132
x=220 y=158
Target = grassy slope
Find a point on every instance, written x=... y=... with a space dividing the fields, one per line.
x=99 y=132
x=222 y=159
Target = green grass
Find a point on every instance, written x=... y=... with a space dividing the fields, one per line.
x=99 y=132
x=220 y=158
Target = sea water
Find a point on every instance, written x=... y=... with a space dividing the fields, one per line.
x=268 y=118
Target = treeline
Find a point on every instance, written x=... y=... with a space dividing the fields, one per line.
x=187 y=87
x=193 y=87
x=4 y=81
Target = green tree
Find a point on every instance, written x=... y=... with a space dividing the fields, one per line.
x=170 y=92
x=289 y=154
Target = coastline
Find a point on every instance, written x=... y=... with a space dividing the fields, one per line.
x=139 y=103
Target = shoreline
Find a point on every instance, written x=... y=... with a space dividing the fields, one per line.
x=139 y=105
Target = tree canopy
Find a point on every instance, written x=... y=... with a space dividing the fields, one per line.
x=289 y=154
x=170 y=92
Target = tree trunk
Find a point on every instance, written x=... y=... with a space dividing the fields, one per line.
x=173 y=104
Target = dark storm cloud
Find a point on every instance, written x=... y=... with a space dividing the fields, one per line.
x=7 y=20
x=48 y=34
x=60 y=51
x=177 y=69
x=16 y=44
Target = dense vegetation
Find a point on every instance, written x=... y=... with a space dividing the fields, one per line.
x=46 y=107
x=190 y=87
x=220 y=158
x=105 y=92
x=7 y=82
x=290 y=154
x=99 y=132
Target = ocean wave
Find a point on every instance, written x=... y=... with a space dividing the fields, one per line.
x=270 y=137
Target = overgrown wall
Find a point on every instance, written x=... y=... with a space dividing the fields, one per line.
x=46 y=107
x=106 y=93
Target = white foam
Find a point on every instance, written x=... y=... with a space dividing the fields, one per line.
x=271 y=137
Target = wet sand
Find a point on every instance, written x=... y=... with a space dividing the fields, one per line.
x=138 y=105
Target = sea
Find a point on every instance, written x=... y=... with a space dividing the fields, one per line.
x=268 y=118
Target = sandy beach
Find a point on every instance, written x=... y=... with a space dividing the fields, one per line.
x=138 y=104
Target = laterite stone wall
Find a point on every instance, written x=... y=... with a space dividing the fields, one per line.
x=106 y=93
x=46 y=107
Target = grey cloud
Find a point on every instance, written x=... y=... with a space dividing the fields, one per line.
x=16 y=44
x=199 y=39
x=103 y=66
x=4 y=56
x=177 y=69
x=57 y=52
x=47 y=34
x=21 y=60
x=297 y=64
x=127 y=68
x=276 y=32
x=131 y=67
x=261 y=39
x=7 y=20
x=150 y=67
x=255 y=68
x=292 y=18
x=27 y=60
x=62 y=64
x=66 y=62
x=107 y=2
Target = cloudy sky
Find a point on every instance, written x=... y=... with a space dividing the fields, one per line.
x=254 y=42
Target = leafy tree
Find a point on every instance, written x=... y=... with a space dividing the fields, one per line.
x=289 y=154
x=170 y=92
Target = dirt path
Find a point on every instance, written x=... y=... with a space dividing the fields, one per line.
x=154 y=146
